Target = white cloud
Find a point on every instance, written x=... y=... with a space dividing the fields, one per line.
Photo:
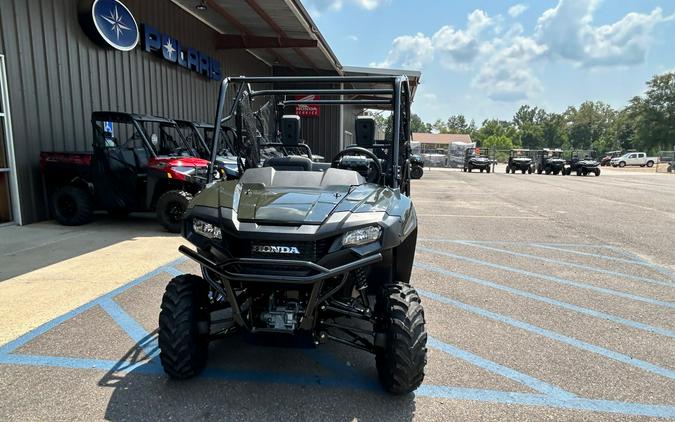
x=507 y=74
x=517 y=10
x=317 y=7
x=352 y=38
x=569 y=33
x=409 y=51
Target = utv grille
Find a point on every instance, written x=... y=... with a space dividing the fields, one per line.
x=292 y=250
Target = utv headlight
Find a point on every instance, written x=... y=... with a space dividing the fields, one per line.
x=361 y=236
x=184 y=170
x=206 y=229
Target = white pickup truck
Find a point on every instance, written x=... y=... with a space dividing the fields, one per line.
x=634 y=159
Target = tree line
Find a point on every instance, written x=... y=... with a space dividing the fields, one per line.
x=647 y=123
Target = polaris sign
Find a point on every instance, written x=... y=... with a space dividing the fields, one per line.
x=110 y=24
x=170 y=50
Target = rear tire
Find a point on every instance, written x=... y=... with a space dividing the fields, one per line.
x=400 y=364
x=184 y=325
x=488 y=169
x=507 y=169
x=170 y=209
x=72 y=206
x=597 y=172
x=650 y=164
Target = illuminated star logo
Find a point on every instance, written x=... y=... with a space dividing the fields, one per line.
x=117 y=23
x=169 y=48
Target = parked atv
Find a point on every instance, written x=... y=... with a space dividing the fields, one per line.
x=138 y=163
x=416 y=166
x=304 y=250
x=605 y=161
x=519 y=159
x=474 y=159
x=550 y=161
x=582 y=166
x=200 y=137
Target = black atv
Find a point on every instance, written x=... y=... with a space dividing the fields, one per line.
x=474 y=159
x=519 y=159
x=582 y=166
x=416 y=166
x=199 y=136
x=550 y=161
x=314 y=251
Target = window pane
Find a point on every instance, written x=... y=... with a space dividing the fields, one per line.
x=5 y=205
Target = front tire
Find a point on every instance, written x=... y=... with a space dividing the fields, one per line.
x=622 y=164
x=400 y=363
x=597 y=172
x=184 y=325
x=170 y=209
x=416 y=172
x=72 y=206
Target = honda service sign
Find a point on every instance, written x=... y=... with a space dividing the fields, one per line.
x=307 y=110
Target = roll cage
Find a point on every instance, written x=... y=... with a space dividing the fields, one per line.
x=384 y=92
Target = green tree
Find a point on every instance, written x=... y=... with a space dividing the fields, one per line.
x=500 y=143
x=654 y=114
x=588 y=125
x=529 y=122
x=496 y=127
x=417 y=125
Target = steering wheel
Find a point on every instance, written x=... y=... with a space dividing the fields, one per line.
x=373 y=176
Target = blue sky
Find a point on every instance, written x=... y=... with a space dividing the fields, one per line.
x=485 y=58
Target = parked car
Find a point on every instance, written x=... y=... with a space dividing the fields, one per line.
x=604 y=161
x=634 y=159
x=138 y=163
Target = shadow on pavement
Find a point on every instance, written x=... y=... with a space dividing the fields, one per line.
x=28 y=248
x=246 y=382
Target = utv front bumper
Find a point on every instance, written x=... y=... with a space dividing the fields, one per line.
x=230 y=270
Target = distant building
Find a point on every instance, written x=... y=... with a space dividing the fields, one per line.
x=438 y=142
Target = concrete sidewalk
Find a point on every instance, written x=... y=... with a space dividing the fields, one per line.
x=47 y=269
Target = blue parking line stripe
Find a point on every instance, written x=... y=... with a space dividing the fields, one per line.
x=20 y=341
x=576 y=403
x=568 y=264
x=586 y=311
x=558 y=280
x=644 y=262
x=148 y=367
x=592 y=255
x=610 y=354
x=130 y=326
x=498 y=369
x=425 y=390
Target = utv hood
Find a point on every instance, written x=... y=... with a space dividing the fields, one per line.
x=307 y=200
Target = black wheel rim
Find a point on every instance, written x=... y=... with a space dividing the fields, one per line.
x=174 y=212
x=67 y=206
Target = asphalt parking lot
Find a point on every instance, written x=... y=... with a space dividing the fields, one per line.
x=546 y=297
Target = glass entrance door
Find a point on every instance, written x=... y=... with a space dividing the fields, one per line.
x=9 y=201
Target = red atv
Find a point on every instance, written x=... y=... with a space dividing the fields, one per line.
x=138 y=163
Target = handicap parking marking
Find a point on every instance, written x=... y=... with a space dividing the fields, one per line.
x=554 y=279
x=343 y=376
x=569 y=306
x=565 y=263
x=570 y=341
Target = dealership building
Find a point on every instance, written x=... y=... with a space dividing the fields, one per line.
x=60 y=60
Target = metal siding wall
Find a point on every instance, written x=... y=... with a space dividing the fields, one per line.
x=57 y=77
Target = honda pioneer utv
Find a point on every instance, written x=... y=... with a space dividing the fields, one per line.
x=138 y=163
x=519 y=159
x=474 y=159
x=199 y=136
x=550 y=161
x=583 y=163
x=302 y=250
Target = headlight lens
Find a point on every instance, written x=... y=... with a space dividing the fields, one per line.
x=183 y=170
x=206 y=229
x=361 y=236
